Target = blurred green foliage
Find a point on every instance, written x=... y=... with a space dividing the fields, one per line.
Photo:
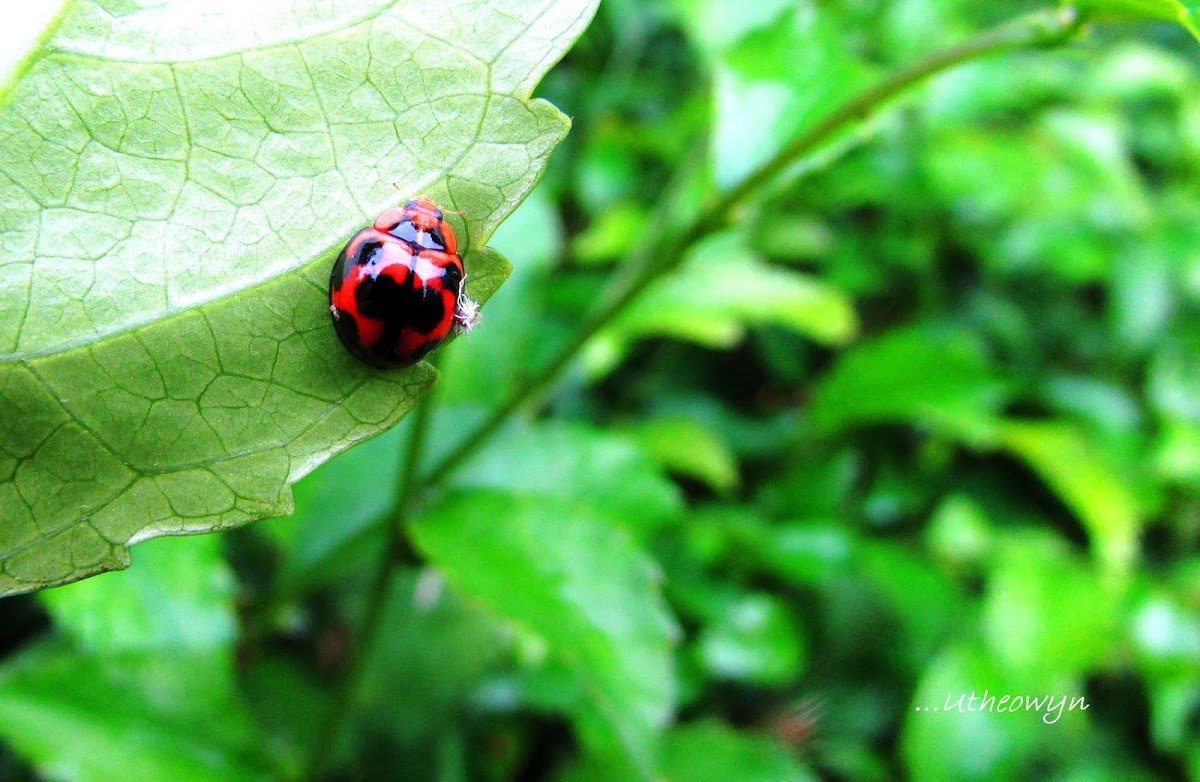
x=923 y=421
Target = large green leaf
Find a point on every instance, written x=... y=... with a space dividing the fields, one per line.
x=567 y=575
x=174 y=183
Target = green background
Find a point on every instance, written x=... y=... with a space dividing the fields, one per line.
x=919 y=419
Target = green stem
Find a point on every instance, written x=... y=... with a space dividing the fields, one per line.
x=1043 y=28
x=396 y=551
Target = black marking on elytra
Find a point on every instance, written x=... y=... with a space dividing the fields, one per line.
x=452 y=279
x=364 y=253
x=368 y=252
x=422 y=240
x=397 y=304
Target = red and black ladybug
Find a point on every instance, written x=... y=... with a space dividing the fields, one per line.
x=397 y=288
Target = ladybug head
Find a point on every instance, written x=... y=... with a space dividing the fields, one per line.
x=421 y=223
x=425 y=214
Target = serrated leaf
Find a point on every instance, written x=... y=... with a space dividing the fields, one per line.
x=174 y=184
x=569 y=576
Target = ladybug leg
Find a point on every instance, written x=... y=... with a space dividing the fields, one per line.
x=466 y=311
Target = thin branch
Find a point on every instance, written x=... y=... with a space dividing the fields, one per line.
x=396 y=551
x=1043 y=28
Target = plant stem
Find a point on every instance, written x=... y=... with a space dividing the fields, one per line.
x=396 y=550
x=653 y=260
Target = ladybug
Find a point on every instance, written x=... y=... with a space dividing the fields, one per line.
x=398 y=287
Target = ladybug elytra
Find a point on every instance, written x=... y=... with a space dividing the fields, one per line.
x=397 y=288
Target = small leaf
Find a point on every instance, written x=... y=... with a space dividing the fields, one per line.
x=685 y=447
x=712 y=752
x=579 y=465
x=786 y=69
x=571 y=578
x=755 y=640
x=930 y=377
x=1159 y=10
x=1065 y=459
x=1048 y=615
x=720 y=291
x=176 y=183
